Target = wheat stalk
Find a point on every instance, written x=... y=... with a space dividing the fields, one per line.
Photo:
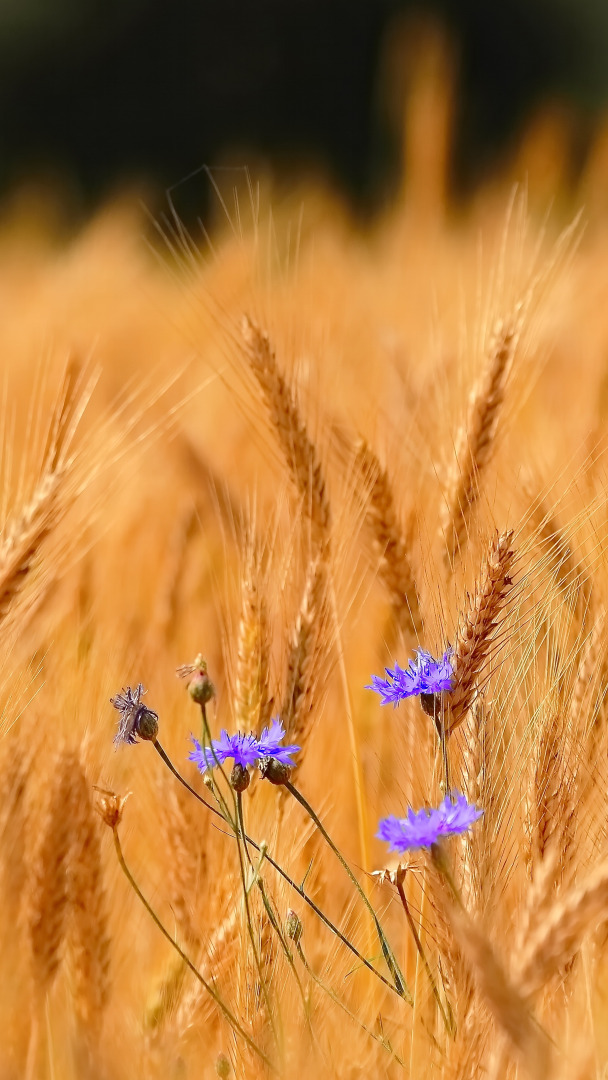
x=89 y=934
x=196 y=1006
x=476 y=438
x=503 y=997
x=477 y=629
x=47 y=897
x=307 y=643
x=395 y=569
x=252 y=701
x=556 y=940
x=299 y=451
x=186 y=858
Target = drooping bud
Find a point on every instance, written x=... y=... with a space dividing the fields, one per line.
x=274 y=770
x=239 y=778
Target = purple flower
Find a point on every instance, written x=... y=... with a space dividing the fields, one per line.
x=268 y=744
x=423 y=829
x=243 y=748
x=425 y=675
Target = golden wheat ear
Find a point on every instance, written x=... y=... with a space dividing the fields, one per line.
x=477 y=629
x=88 y=935
x=298 y=449
x=33 y=519
x=252 y=701
x=395 y=569
x=475 y=440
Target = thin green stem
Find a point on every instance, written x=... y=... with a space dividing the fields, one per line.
x=250 y=931
x=334 y=997
x=229 y=1016
x=274 y=922
x=448 y=1021
x=279 y=869
x=400 y=984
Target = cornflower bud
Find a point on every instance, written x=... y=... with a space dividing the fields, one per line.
x=274 y=770
x=200 y=687
x=239 y=778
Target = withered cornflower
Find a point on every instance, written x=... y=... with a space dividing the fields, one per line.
x=245 y=750
x=423 y=829
x=136 y=721
x=424 y=675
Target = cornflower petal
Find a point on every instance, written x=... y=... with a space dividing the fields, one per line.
x=269 y=744
x=424 y=675
x=424 y=828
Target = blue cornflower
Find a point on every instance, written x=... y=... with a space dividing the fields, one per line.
x=268 y=744
x=423 y=829
x=425 y=675
x=243 y=748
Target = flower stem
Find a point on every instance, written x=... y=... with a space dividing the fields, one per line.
x=229 y=1016
x=448 y=1021
x=283 y=873
x=334 y=997
x=400 y=984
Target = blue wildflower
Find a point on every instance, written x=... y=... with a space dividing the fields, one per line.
x=242 y=748
x=425 y=675
x=268 y=744
x=423 y=829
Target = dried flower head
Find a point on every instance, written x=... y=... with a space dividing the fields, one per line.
x=424 y=675
x=423 y=829
x=136 y=720
x=110 y=806
x=200 y=687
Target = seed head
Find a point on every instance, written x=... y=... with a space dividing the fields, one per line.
x=293 y=926
x=110 y=806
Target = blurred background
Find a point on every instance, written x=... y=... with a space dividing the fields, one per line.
x=95 y=95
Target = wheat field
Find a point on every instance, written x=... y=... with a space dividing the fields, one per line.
x=295 y=449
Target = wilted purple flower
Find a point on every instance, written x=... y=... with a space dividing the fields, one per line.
x=268 y=744
x=425 y=675
x=423 y=829
x=242 y=748
x=136 y=720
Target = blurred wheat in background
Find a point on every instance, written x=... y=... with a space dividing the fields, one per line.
x=299 y=451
